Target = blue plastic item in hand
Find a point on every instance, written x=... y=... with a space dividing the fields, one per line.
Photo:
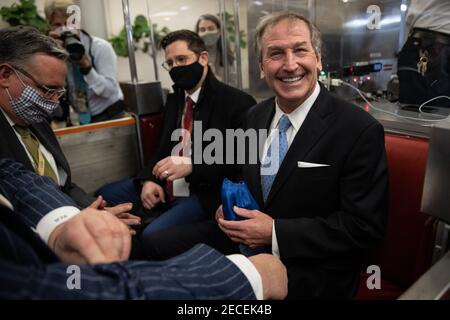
x=236 y=194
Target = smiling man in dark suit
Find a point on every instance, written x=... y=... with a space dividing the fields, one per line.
x=32 y=78
x=324 y=201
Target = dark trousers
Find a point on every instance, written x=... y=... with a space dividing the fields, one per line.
x=306 y=280
x=114 y=111
x=180 y=211
x=165 y=244
x=120 y=192
x=416 y=88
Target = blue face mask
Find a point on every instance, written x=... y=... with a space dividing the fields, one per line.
x=30 y=106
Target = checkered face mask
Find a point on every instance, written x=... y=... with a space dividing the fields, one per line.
x=30 y=106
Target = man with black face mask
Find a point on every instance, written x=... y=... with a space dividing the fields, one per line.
x=188 y=191
x=32 y=79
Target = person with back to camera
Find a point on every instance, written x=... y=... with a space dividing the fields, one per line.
x=424 y=61
x=36 y=263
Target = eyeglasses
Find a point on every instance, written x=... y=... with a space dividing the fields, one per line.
x=180 y=60
x=49 y=93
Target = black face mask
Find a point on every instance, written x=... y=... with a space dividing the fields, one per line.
x=187 y=77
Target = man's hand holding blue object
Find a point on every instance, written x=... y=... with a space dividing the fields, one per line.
x=254 y=231
x=236 y=194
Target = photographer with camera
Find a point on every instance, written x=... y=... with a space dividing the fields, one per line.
x=93 y=89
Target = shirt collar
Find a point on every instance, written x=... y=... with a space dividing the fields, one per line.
x=5 y=202
x=194 y=96
x=299 y=114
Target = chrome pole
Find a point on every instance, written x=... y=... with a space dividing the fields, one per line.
x=237 y=42
x=223 y=36
x=129 y=32
x=402 y=36
x=134 y=76
x=152 y=39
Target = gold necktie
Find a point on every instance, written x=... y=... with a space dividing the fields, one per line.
x=42 y=165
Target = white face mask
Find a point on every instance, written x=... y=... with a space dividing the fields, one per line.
x=210 y=37
x=30 y=106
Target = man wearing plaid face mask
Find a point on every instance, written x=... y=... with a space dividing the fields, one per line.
x=30 y=106
x=32 y=79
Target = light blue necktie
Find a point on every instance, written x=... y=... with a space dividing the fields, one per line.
x=267 y=179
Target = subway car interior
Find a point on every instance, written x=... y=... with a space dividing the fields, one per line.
x=361 y=63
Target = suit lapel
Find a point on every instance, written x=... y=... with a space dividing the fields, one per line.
x=13 y=147
x=262 y=122
x=46 y=136
x=207 y=101
x=315 y=125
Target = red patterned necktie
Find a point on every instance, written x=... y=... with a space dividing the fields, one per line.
x=187 y=123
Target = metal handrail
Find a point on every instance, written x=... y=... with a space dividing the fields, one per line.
x=129 y=33
x=238 y=44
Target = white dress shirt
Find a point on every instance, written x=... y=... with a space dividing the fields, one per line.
x=296 y=117
x=181 y=186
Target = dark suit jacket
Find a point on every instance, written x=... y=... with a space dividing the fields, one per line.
x=10 y=147
x=326 y=217
x=30 y=270
x=220 y=107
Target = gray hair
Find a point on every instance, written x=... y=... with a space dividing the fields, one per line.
x=19 y=44
x=56 y=6
x=271 y=19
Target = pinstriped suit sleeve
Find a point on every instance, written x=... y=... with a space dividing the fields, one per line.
x=200 y=273
x=21 y=187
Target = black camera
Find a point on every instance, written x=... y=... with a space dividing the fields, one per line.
x=73 y=45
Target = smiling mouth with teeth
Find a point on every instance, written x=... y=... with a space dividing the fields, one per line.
x=291 y=79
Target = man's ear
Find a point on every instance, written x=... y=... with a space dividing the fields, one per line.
x=204 y=58
x=261 y=71
x=5 y=75
x=319 y=62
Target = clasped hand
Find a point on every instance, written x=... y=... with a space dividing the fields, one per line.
x=169 y=169
x=255 y=231
x=94 y=235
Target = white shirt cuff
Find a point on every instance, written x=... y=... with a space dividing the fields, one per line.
x=249 y=270
x=5 y=202
x=275 y=249
x=53 y=219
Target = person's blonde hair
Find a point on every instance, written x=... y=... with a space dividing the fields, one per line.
x=56 y=6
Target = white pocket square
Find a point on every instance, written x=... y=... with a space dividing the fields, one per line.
x=311 y=165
